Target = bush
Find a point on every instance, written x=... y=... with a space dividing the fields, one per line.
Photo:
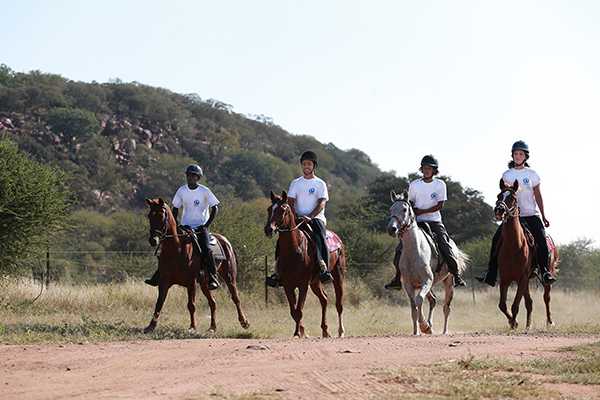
x=33 y=204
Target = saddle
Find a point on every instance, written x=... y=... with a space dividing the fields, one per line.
x=333 y=241
x=431 y=239
x=213 y=244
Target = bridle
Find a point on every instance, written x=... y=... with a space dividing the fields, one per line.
x=404 y=226
x=280 y=228
x=501 y=204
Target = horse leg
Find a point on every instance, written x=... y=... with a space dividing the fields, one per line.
x=419 y=298
x=235 y=296
x=338 y=287
x=317 y=289
x=432 y=299
x=302 y=292
x=547 y=289
x=290 y=293
x=410 y=292
x=515 y=305
x=502 y=303
x=191 y=291
x=528 y=306
x=163 y=289
x=448 y=296
x=211 y=303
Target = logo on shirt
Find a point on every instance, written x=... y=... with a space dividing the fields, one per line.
x=526 y=181
x=312 y=190
x=434 y=196
x=196 y=203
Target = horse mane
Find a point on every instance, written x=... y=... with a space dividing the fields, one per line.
x=172 y=224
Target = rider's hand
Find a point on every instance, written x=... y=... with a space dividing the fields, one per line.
x=305 y=218
x=546 y=222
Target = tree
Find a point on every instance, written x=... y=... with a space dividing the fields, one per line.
x=73 y=122
x=33 y=204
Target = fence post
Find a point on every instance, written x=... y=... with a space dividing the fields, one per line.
x=47 y=266
x=265 y=281
x=472 y=284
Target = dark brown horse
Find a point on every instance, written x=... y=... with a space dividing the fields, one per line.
x=176 y=266
x=297 y=267
x=516 y=258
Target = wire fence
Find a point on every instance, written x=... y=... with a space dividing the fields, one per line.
x=109 y=266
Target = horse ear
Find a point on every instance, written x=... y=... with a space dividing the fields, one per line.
x=284 y=196
x=502 y=184
x=515 y=185
x=273 y=198
x=148 y=201
x=404 y=195
x=393 y=196
x=161 y=202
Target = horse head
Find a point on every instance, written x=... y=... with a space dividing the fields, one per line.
x=401 y=214
x=506 y=205
x=279 y=214
x=158 y=218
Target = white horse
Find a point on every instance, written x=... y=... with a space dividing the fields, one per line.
x=417 y=263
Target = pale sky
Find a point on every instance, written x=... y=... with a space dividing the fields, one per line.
x=397 y=79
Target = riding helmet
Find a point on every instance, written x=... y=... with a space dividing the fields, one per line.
x=310 y=156
x=430 y=161
x=194 y=169
x=520 y=145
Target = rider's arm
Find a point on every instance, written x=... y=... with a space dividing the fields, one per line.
x=540 y=202
x=318 y=208
x=214 y=210
x=175 y=212
x=437 y=207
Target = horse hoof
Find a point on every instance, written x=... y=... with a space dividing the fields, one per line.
x=192 y=331
x=549 y=324
x=326 y=335
x=245 y=324
x=148 y=329
x=211 y=331
x=340 y=334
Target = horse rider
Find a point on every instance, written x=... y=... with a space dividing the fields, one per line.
x=308 y=196
x=200 y=207
x=427 y=195
x=531 y=212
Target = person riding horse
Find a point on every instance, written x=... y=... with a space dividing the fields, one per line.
x=307 y=196
x=200 y=207
x=531 y=205
x=428 y=195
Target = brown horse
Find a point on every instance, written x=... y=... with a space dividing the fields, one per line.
x=516 y=258
x=178 y=266
x=297 y=267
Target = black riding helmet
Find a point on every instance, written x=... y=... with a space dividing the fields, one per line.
x=310 y=156
x=520 y=145
x=194 y=169
x=430 y=161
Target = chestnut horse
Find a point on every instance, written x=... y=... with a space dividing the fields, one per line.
x=297 y=267
x=516 y=258
x=177 y=266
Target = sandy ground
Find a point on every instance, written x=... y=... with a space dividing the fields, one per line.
x=204 y=368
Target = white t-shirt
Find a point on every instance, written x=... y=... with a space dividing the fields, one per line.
x=307 y=193
x=426 y=195
x=528 y=179
x=196 y=204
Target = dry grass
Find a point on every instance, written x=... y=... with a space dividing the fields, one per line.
x=68 y=313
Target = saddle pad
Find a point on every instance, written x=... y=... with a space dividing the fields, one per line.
x=551 y=245
x=334 y=242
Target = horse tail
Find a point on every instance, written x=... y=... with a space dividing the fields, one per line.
x=462 y=260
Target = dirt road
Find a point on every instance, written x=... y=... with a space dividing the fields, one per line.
x=310 y=368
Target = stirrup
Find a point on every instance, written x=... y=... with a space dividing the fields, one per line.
x=273 y=281
x=394 y=284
